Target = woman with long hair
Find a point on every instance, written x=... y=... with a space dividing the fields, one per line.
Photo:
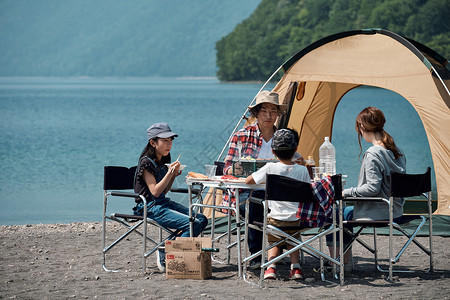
x=382 y=158
x=154 y=179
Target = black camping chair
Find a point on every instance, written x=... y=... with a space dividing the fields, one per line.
x=281 y=188
x=116 y=180
x=401 y=185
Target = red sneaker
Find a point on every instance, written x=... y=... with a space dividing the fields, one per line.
x=270 y=273
x=296 y=274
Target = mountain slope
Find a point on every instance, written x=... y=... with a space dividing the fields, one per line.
x=115 y=38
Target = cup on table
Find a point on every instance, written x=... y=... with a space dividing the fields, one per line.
x=318 y=173
x=210 y=170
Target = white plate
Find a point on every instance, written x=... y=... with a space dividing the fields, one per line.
x=181 y=166
x=197 y=179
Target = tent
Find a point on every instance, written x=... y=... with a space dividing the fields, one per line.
x=316 y=78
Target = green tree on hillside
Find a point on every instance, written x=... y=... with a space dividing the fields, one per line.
x=279 y=29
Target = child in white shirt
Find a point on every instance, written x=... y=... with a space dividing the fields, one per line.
x=284 y=146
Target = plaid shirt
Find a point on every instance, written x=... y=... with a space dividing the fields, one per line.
x=315 y=214
x=251 y=139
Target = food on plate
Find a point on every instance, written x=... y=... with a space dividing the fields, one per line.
x=248 y=158
x=229 y=177
x=196 y=175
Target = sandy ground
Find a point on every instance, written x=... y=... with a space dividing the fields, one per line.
x=60 y=261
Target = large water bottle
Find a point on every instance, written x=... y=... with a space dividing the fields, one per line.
x=327 y=157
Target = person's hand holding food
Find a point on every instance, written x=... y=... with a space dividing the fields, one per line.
x=175 y=168
x=298 y=159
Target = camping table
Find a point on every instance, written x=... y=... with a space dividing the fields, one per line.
x=215 y=183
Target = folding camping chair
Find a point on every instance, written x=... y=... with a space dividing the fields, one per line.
x=401 y=185
x=281 y=188
x=116 y=180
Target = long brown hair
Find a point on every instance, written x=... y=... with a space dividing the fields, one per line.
x=372 y=119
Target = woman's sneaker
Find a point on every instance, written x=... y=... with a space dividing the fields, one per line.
x=161 y=260
x=270 y=273
x=296 y=274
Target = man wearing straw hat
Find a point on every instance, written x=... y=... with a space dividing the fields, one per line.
x=255 y=141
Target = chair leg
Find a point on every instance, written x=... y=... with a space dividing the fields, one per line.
x=144 y=240
x=302 y=255
x=321 y=263
x=263 y=251
x=391 y=258
x=430 y=239
x=375 y=249
x=430 y=230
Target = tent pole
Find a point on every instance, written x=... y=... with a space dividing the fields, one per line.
x=243 y=115
x=442 y=81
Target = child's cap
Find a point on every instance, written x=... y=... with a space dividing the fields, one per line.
x=161 y=130
x=284 y=139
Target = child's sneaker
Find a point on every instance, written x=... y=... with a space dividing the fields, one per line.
x=296 y=274
x=270 y=273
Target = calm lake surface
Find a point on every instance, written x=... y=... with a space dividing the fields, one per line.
x=58 y=134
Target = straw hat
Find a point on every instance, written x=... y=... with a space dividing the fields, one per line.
x=268 y=97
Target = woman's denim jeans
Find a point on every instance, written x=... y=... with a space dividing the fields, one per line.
x=347 y=215
x=176 y=216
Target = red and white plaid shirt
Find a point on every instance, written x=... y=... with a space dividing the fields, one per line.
x=251 y=139
x=316 y=213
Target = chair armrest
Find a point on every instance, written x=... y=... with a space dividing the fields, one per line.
x=374 y=199
x=256 y=200
x=179 y=190
x=123 y=194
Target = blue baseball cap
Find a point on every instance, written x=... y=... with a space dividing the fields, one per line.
x=161 y=130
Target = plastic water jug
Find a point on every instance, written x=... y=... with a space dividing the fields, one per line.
x=327 y=157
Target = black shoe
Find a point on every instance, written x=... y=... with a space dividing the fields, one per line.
x=328 y=267
x=255 y=263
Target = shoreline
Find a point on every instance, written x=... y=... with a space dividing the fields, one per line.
x=54 y=261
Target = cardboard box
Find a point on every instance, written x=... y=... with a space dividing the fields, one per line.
x=186 y=260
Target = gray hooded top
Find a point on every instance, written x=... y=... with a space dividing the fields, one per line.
x=373 y=181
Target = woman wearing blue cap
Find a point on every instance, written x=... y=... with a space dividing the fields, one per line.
x=153 y=180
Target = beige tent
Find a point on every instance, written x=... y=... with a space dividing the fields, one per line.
x=316 y=79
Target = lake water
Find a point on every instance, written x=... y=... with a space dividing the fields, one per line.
x=58 y=134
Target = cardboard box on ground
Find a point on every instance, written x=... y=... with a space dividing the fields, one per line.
x=186 y=260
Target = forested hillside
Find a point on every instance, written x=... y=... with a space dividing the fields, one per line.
x=279 y=29
x=115 y=38
x=177 y=37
